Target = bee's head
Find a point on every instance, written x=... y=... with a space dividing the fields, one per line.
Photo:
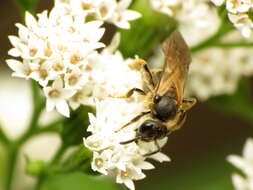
x=151 y=130
x=164 y=108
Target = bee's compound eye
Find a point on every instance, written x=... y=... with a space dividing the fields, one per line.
x=157 y=98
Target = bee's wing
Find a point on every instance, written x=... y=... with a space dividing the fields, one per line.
x=176 y=66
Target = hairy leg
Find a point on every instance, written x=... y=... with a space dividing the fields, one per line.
x=133 y=120
x=130 y=92
x=188 y=103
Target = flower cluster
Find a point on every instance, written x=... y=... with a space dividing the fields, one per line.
x=112 y=11
x=59 y=48
x=55 y=50
x=239 y=13
x=194 y=17
x=245 y=164
x=216 y=71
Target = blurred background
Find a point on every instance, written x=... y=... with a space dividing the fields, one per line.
x=198 y=151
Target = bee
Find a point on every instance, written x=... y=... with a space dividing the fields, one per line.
x=164 y=93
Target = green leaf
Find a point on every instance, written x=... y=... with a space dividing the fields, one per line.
x=77 y=181
x=27 y=5
x=238 y=104
x=74 y=128
x=80 y=160
x=146 y=32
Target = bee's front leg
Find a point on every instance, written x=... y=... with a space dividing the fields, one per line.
x=130 y=92
x=134 y=120
x=147 y=75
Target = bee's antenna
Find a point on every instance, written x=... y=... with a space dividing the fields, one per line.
x=132 y=140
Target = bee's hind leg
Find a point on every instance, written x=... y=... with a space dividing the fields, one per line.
x=179 y=124
x=156 y=151
x=188 y=103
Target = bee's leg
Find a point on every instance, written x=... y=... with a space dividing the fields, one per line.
x=132 y=140
x=188 y=103
x=154 y=152
x=157 y=74
x=130 y=92
x=147 y=76
x=134 y=120
x=179 y=123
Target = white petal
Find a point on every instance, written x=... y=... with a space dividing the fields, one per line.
x=50 y=105
x=121 y=166
x=145 y=165
x=29 y=20
x=160 y=157
x=63 y=107
x=239 y=182
x=123 y=24
x=236 y=161
x=57 y=84
x=246 y=31
x=14 y=52
x=95 y=37
x=248 y=150
x=124 y=4
x=131 y=15
x=14 y=40
x=114 y=43
x=129 y=183
x=15 y=65
x=93 y=25
x=66 y=94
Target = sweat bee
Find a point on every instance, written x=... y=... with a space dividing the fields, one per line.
x=164 y=91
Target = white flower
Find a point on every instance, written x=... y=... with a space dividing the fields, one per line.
x=112 y=11
x=127 y=161
x=21 y=69
x=121 y=15
x=101 y=161
x=242 y=22
x=131 y=173
x=218 y=2
x=194 y=17
x=238 y=6
x=239 y=14
x=56 y=97
x=75 y=79
x=244 y=163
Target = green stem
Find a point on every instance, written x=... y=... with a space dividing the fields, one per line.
x=11 y=164
x=58 y=155
x=3 y=137
x=233 y=44
x=55 y=160
x=38 y=106
x=224 y=29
